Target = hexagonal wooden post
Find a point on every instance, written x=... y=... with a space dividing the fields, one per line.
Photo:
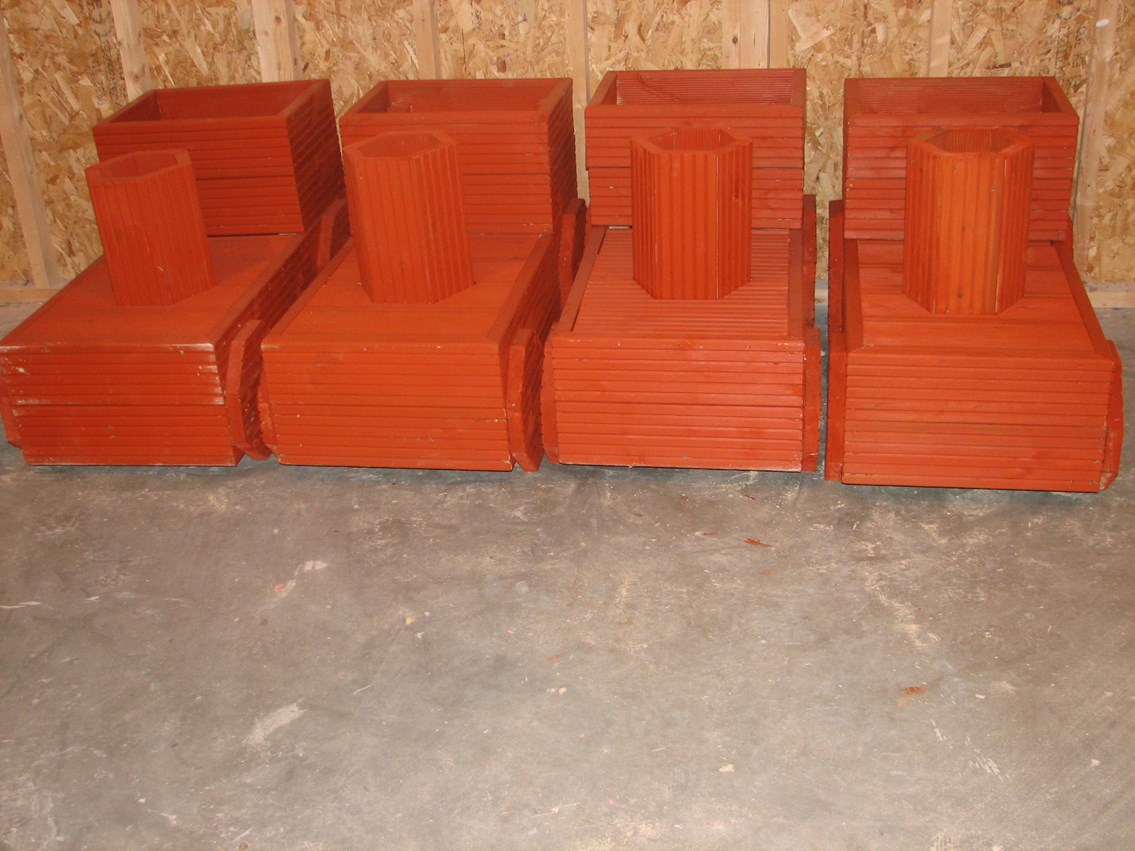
x=408 y=217
x=967 y=220
x=153 y=233
x=692 y=212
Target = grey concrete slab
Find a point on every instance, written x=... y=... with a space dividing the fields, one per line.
x=583 y=658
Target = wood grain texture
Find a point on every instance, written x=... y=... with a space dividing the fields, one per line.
x=23 y=174
x=1092 y=128
x=131 y=47
x=277 y=40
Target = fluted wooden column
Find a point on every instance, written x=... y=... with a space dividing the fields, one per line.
x=408 y=217
x=967 y=220
x=153 y=233
x=691 y=213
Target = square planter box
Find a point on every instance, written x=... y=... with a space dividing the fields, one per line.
x=266 y=155
x=881 y=116
x=731 y=383
x=1029 y=398
x=766 y=105
x=515 y=141
x=452 y=384
x=86 y=381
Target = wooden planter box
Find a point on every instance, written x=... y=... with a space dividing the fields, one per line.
x=515 y=140
x=452 y=384
x=1029 y=398
x=87 y=381
x=881 y=116
x=266 y=155
x=727 y=383
x=767 y=106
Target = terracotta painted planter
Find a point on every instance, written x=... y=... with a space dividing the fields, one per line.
x=266 y=155
x=515 y=142
x=152 y=230
x=882 y=115
x=967 y=220
x=767 y=106
x=452 y=384
x=692 y=213
x=731 y=383
x=1029 y=398
x=88 y=380
x=404 y=196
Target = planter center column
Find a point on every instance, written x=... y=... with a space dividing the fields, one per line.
x=408 y=217
x=967 y=220
x=691 y=213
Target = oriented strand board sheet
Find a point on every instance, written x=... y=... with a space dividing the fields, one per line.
x=654 y=34
x=356 y=43
x=13 y=257
x=70 y=77
x=839 y=40
x=199 y=43
x=513 y=38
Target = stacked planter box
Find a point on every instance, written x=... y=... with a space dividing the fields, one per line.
x=765 y=106
x=151 y=355
x=403 y=358
x=964 y=351
x=882 y=116
x=677 y=363
x=515 y=143
x=266 y=155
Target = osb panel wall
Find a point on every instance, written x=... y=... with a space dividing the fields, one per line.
x=515 y=38
x=355 y=43
x=1112 y=249
x=201 y=43
x=835 y=41
x=69 y=77
x=652 y=34
x=13 y=259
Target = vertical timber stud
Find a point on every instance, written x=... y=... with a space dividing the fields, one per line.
x=938 y=49
x=131 y=47
x=277 y=40
x=30 y=209
x=745 y=34
x=427 y=39
x=579 y=63
x=779 y=34
x=1091 y=131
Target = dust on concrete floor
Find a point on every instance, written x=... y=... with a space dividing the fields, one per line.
x=584 y=658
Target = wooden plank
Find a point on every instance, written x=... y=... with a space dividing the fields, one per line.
x=131 y=47
x=1091 y=135
x=779 y=34
x=579 y=63
x=30 y=209
x=277 y=40
x=745 y=34
x=427 y=39
x=938 y=49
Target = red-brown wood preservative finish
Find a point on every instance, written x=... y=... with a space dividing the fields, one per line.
x=266 y=155
x=767 y=106
x=515 y=142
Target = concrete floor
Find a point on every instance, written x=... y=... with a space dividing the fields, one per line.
x=273 y=657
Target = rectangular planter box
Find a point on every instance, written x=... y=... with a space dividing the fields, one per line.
x=766 y=105
x=86 y=381
x=266 y=155
x=1028 y=399
x=515 y=141
x=452 y=384
x=732 y=383
x=881 y=116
